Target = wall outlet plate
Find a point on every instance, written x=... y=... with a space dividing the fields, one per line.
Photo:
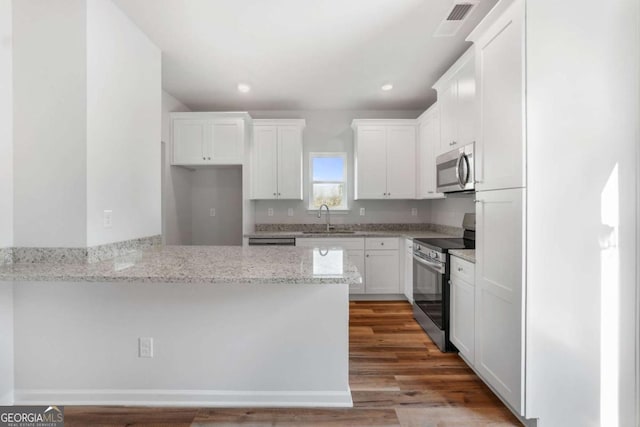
x=361 y=211
x=145 y=347
x=290 y=212
x=270 y=212
x=212 y=212
x=414 y=211
x=107 y=219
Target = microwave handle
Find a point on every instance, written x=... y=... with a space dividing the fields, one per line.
x=462 y=181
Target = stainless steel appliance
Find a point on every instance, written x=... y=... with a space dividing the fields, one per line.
x=431 y=281
x=272 y=241
x=455 y=170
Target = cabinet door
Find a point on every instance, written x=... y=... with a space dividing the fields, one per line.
x=401 y=162
x=265 y=162
x=225 y=142
x=500 y=145
x=290 y=162
x=447 y=100
x=499 y=292
x=466 y=110
x=189 y=142
x=382 y=272
x=462 y=328
x=371 y=162
x=428 y=149
x=357 y=258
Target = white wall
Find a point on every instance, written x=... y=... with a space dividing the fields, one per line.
x=582 y=104
x=49 y=87
x=176 y=186
x=123 y=127
x=212 y=344
x=6 y=344
x=220 y=189
x=6 y=126
x=450 y=211
x=331 y=131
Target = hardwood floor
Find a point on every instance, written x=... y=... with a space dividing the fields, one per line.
x=398 y=377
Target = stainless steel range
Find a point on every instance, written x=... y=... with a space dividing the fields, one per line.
x=431 y=281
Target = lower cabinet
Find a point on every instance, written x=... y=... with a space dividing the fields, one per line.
x=462 y=298
x=382 y=272
x=377 y=260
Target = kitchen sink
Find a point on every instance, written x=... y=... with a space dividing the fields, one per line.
x=329 y=232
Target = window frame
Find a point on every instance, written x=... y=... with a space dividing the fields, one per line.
x=345 y=178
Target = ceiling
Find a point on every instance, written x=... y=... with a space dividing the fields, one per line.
x=301 y=54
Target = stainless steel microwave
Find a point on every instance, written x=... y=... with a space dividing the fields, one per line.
x=454 y=170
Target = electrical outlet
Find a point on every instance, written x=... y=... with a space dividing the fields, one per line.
x=290 y=212
x=361 y=211
x=270 y=212
x=414 y=211
x=212 y=212
x=145 y=347
x=107 y=219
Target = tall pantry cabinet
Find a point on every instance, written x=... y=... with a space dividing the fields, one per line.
x=500 y=202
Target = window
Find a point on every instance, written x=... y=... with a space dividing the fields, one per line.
x=328 y=180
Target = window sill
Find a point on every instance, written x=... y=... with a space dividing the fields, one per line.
x=332 y=211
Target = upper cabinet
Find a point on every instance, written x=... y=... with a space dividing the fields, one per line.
x=428 y=150
x=385 y=159
x=457 y=104
x=499 y=65
x=208 y=138
x=276 y=171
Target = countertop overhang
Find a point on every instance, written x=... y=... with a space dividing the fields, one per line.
x=200 y=264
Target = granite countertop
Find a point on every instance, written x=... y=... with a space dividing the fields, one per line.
x=466 y=254
x=200 y=264
x=300 y=235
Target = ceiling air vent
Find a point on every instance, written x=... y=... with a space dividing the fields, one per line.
x=455 y=18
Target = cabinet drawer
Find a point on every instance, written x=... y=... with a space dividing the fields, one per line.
x=373 y=243
x=329 y=242
x=463 y=270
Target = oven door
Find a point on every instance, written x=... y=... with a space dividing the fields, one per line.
x=428 y=280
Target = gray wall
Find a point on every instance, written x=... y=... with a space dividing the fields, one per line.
x=218 y=188
x=176 y=184
x=331 y=131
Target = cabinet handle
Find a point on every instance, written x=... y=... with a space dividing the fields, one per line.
x=430 y=192
x=388 y=194
x=209 y=158
x=381 y=243
x=367 y=255
x=204 y=158
x=279 y=194
x=459 y=269
x=274 y=194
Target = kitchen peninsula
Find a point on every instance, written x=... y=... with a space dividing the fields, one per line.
x=183 y=326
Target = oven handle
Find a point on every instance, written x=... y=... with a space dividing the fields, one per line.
x=434 y=265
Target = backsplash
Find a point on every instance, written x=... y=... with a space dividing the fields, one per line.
x=437 y=228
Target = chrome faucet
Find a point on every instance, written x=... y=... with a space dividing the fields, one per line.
x=324 y=205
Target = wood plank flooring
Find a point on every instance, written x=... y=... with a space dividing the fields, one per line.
x=398 y=377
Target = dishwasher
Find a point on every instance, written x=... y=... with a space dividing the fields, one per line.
x=272 y=241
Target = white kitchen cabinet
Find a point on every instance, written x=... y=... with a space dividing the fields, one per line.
x=499 y=316
x=407 y=277
x=500 y=146
x=385 y=159
x=462 y=324
x=428 y=150
x=382 y=272
x=276 y=171
x=207 y=139
x=457 y=103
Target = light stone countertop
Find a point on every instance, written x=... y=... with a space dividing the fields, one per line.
x=466 y=254
x=199 y=264
x=300 y=235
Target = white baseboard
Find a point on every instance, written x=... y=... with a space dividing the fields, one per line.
x=188 y=398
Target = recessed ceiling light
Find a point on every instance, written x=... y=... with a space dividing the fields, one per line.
x=243 y=87
x=387 y=87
